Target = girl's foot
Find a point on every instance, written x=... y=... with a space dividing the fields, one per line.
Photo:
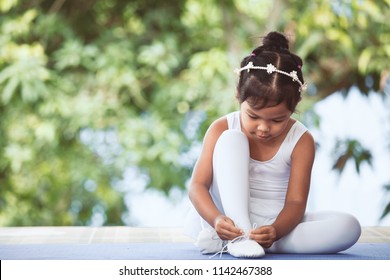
x=245 y=248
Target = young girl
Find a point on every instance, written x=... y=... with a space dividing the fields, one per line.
x=251 y=182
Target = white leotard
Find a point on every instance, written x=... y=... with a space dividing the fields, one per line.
x=268 y=180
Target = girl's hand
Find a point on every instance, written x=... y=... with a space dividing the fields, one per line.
x=225 y=228
x=265 y=235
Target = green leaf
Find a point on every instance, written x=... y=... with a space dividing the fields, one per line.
x=9 y=90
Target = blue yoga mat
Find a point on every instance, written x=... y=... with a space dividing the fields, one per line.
x=168 y=251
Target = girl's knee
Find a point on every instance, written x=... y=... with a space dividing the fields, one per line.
x=228 y=143
x=233 y=135
x=347 y=230
x=351 y=224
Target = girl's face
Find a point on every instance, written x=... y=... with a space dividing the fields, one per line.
x=264 y=124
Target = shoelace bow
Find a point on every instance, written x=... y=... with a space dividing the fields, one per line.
x=245 y=236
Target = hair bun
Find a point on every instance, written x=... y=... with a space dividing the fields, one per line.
x=275 y=41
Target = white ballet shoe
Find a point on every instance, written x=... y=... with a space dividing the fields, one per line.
x=245 y=248
x=209 y=242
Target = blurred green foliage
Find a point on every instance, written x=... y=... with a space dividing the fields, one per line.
x=90 y=88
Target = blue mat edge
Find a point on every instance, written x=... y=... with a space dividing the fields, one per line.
x=168 y=251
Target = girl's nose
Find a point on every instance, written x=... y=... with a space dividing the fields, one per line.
x=263 y=127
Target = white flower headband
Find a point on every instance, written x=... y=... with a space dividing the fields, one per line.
x=270 y=69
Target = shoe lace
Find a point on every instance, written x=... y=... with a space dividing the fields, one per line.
x=244 y=236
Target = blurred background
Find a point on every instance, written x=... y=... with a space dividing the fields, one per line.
x=104 y=103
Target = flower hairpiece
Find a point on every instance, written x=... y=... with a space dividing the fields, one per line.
x=270 y=69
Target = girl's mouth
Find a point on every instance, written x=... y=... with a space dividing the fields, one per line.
x=261 y=136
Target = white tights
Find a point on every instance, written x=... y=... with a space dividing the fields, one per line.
x=318 y=233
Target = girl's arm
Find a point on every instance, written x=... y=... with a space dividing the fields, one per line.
x=294 y=208
x=201 y=181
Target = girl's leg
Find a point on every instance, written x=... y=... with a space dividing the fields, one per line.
x=230 y=192
x=320 y=233
x=231 y=164
x=231 y=167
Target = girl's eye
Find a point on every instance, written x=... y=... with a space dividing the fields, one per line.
x=252 y=117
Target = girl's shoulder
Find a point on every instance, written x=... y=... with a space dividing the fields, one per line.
x=217 y=127
x=298 y=140
x=300 y=130
x=296 y=124
x=213 y=133
x=305 y=145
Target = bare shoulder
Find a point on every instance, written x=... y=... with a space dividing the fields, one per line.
x=307 y=138
x=217 y=128
x=305 y=146
x=213 y=133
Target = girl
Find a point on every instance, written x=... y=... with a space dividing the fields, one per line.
x=251 y=182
